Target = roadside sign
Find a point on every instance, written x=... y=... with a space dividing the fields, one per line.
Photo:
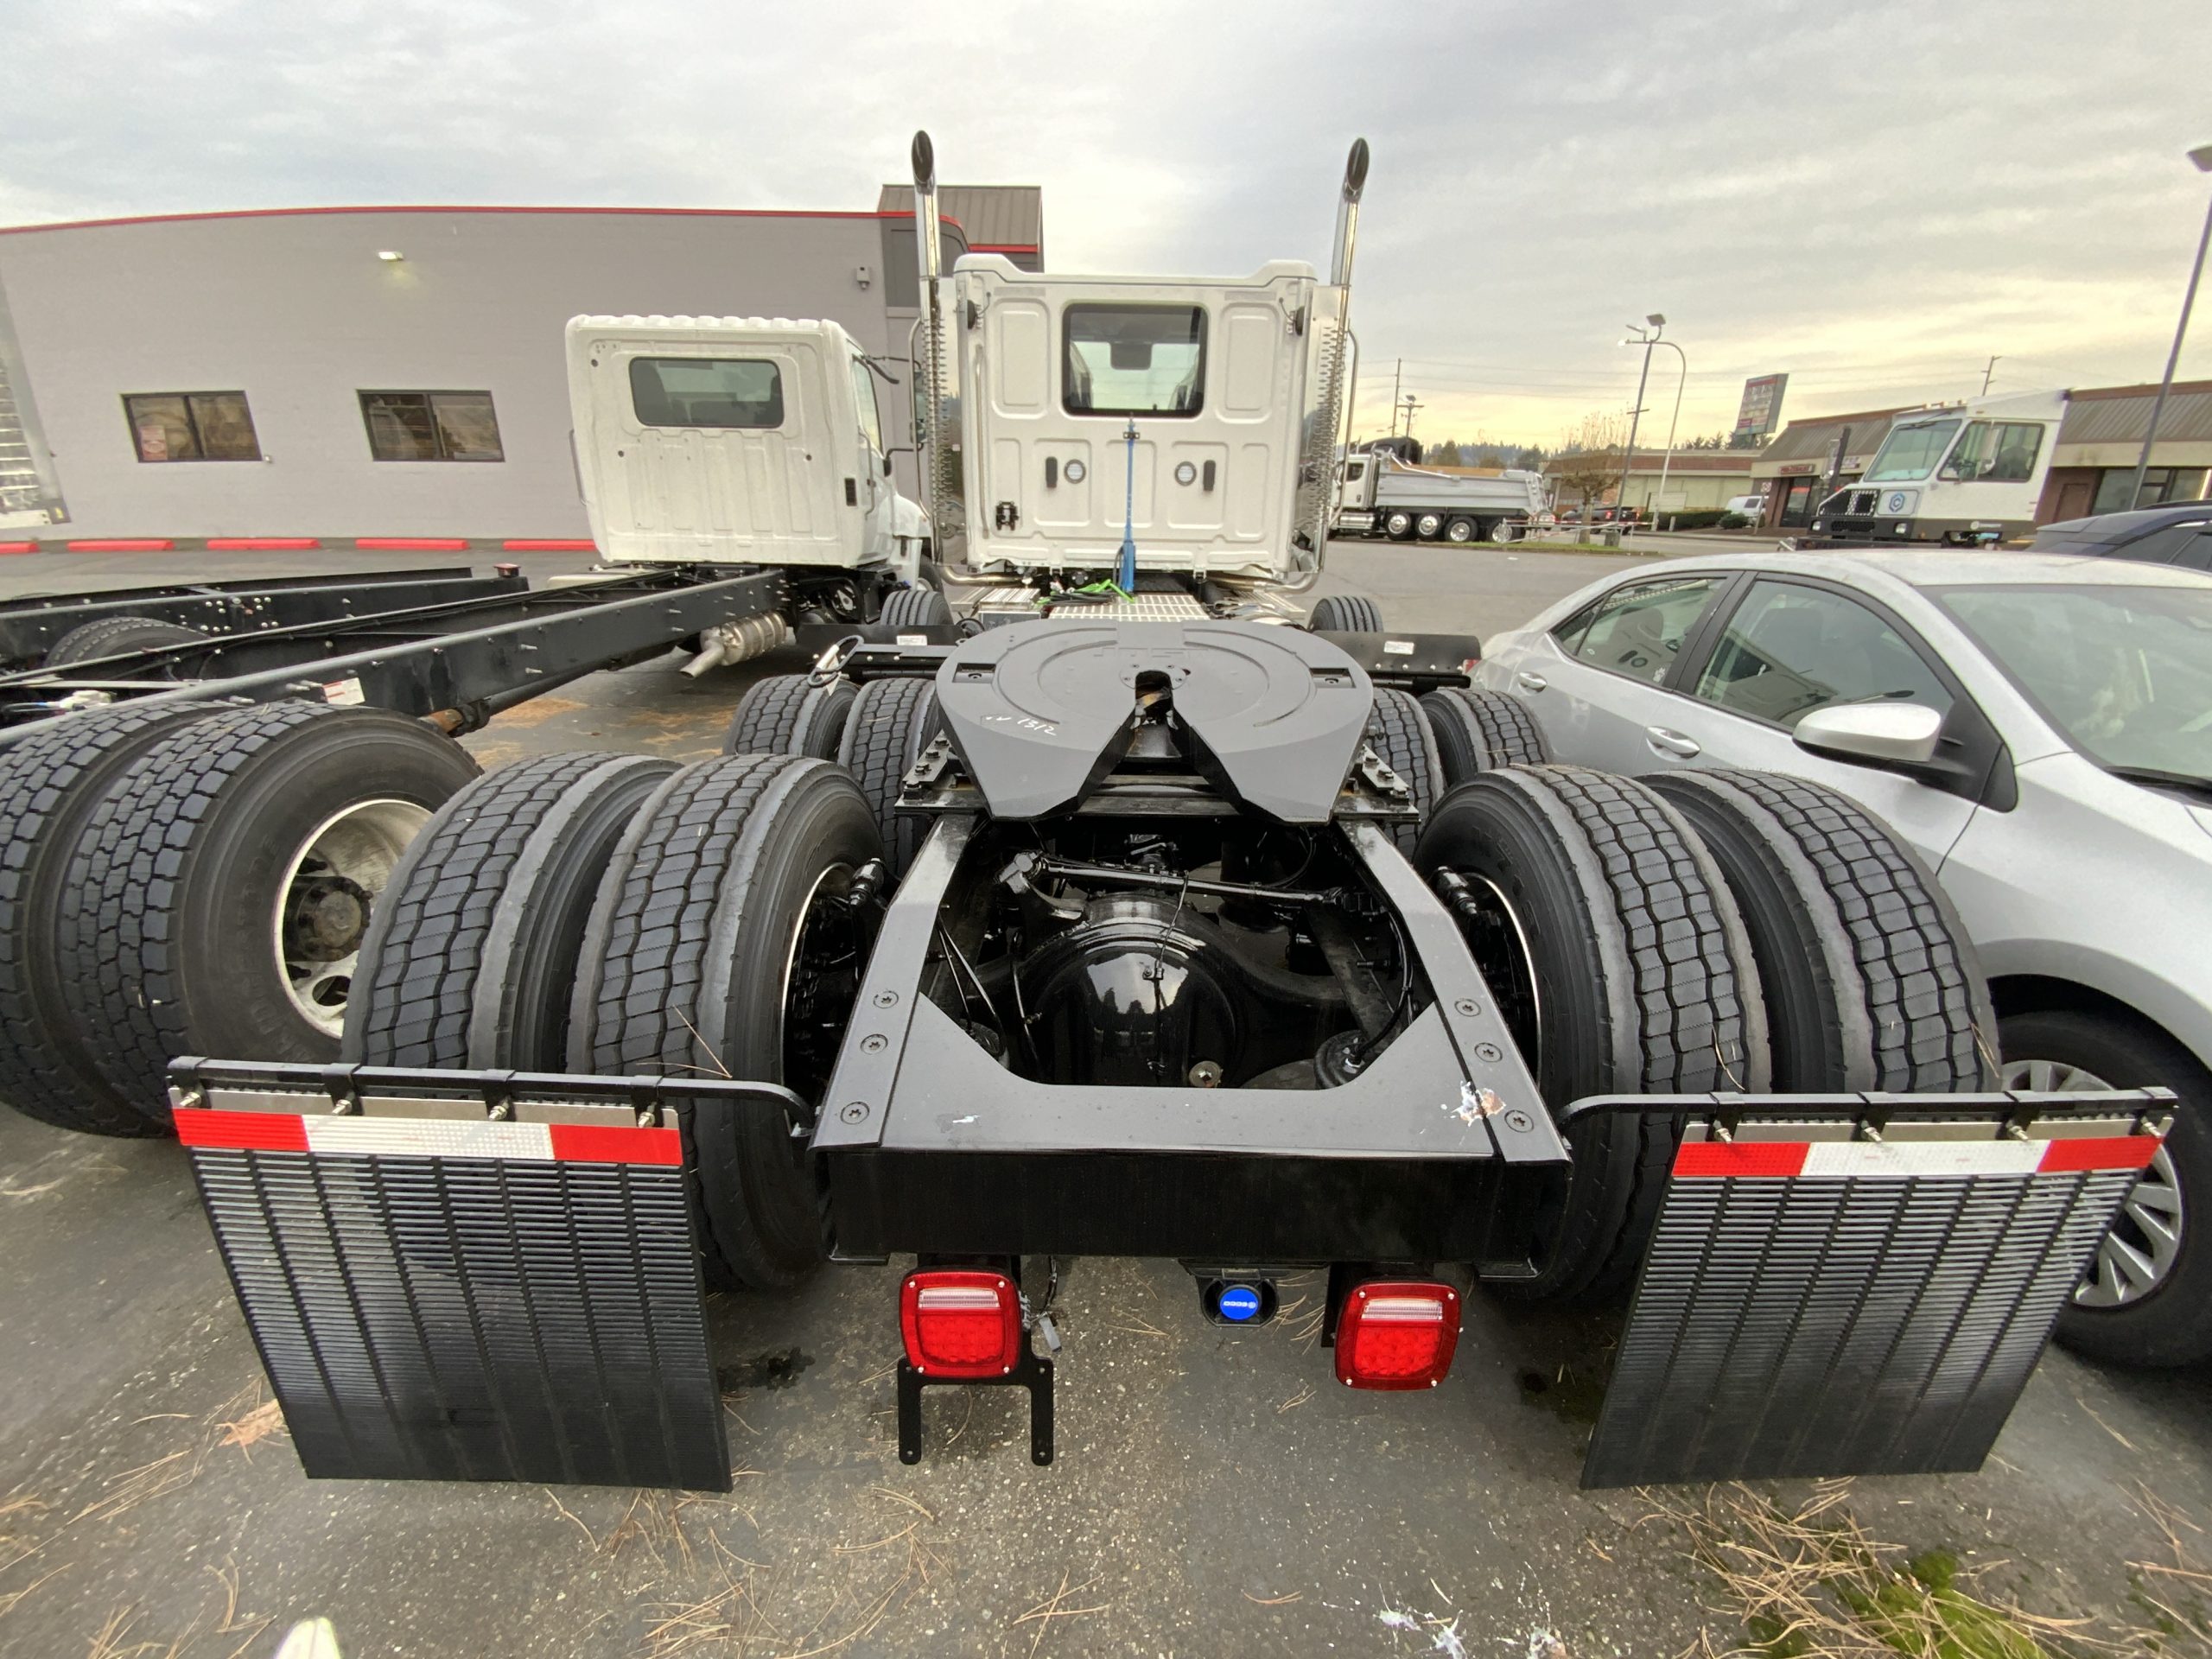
x=1760 y=413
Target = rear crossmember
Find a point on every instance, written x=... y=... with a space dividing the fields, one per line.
x=494 y=1276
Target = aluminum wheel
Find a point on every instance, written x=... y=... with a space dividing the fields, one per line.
x=2139 y=1251
x=323 y=903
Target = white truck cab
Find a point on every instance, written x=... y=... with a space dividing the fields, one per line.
x=1960 y=472
x=1073 y=422
x=750 y=441
x=1215 y=377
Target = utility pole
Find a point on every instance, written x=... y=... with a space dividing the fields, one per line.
x=1397 y=379
x=2203 y=156
x=1985 y=373
x=1410 y=406
x=1636 y=415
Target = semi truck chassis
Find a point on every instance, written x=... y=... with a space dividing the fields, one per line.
x=1042 y=1034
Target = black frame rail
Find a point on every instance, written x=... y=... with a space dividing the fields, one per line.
x=462 y=661
x=30 y=625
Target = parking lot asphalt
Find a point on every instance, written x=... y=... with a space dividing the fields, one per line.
x=1216 y=1493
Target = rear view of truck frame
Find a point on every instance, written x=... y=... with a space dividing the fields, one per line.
x=1132 y=915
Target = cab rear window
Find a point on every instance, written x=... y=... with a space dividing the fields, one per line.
x=709 y=391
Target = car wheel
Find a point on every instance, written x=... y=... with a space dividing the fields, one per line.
x=1399 y=526
x=1459 y=530
x=2147 y=1297
x=1429 y=527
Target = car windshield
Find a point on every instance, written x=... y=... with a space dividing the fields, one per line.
x=1911 y=452
x=2124 y=672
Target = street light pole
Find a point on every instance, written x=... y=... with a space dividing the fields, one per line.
x=1636 y=414
x=2203 y=156
x=1673 y=421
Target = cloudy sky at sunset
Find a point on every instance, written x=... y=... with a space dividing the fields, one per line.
x=1873 y=199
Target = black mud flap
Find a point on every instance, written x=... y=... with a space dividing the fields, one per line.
x=1862 y=1288
x=468 y=1275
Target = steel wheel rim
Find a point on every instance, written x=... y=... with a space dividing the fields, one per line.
x=330 y=886
x=1459 y=532
x=829 y=935
x=2138 y=1254
x=1508 y=964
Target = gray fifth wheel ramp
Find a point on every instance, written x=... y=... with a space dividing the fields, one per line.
x=493 y=1276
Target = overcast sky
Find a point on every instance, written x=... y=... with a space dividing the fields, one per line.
x=1872 y=198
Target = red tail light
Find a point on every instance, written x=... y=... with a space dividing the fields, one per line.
x=960 y=1323
x=1397 y=1334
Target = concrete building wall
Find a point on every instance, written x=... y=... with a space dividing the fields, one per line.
x=297 y=310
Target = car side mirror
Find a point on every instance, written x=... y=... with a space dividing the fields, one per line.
x=1900 y=734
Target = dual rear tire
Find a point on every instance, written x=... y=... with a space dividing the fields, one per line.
x=622 y=917
x=1719 y=933
x=175 y=882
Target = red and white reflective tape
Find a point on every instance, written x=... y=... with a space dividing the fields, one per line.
x=1905 y=1159
x=426 y=1137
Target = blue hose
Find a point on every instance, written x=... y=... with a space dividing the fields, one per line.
x=1125 y=578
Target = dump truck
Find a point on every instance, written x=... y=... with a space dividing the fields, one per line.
x=1136 y=915
x=1385 y=494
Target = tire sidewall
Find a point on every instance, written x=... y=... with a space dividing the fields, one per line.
x=229 y=985
x=2172 y=1324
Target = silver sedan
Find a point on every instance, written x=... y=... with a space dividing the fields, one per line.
x=2040 y=730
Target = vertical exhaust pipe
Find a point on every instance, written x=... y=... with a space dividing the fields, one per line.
x=1348 y=214
x=928 y=253
x=1334 y=390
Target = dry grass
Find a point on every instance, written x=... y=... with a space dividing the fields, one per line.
x=1812 y=1583
x=2176 y=1592
x=750 y=1610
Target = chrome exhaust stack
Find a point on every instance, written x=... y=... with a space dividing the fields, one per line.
x=940 y=489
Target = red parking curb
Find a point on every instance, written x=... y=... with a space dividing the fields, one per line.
x=126 y=544
x=262 y=543
x=412 y=544
x=549 y=546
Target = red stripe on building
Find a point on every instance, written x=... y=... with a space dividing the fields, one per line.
x=2098 y=1151
x=243 y=1131
x=261 y=544
x=412 y=544
x=591 y=1143
x=552 y=546
x=126 y=544
x=1722 y=1158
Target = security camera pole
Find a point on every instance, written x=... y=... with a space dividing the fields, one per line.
x=1627 y=456
x=2203 y=156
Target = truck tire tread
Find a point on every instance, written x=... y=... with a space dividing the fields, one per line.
x=469 y=959
x=880 y=740
x=1647 y=985
x=51 y=782
x=1479 y=731
x=686 y=922
x=1401 y=734
x=1869 y=978
x=788 y=714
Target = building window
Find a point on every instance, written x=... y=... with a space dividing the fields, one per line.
x=1135 y=359
x=2160 y=486
x=431 y=425
x=745 y=394
x=192 y=426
